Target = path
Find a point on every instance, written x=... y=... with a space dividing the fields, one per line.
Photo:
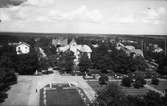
x=21 y=93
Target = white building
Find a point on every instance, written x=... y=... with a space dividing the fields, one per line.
x=76 y=49
x=22 y=48
x=129 y=49
x=41 y=51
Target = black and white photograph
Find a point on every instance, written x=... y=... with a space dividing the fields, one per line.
x=83 y=52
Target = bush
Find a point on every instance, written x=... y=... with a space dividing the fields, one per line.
x=155 y=81
x=126 y=81
x=103 y=80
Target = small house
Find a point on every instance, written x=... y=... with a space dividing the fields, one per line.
x=22 y=48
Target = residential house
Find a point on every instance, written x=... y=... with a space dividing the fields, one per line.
x=59 y=42
x=22 y=48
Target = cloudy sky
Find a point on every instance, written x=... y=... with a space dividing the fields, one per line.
x=84 y=16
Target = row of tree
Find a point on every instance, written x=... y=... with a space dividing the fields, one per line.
x=7 y=76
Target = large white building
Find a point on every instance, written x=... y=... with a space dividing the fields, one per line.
x=22 y=48
x=129 y=49
x=76 y=49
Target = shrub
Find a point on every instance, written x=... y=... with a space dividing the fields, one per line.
x=155 y=81
x=103 y=80
x=126 y=81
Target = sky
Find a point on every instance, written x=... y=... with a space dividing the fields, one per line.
x=84 y=16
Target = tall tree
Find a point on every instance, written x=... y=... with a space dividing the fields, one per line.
x=66 y=61
x=162 y=69
x=27 y=64
x=84 y=63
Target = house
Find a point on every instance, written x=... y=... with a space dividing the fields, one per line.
x=137 y=52
x=22 y=48
x=157 y=49
x=59 y=42
x=129 y=50
x=76 y=49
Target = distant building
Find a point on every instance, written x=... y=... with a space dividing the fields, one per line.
x=130 y=47
x=76 y=49
x=137 y=52
x=95 y=45
x=157 y=49
x=129 y=50
x=42 y=53
x=59 y=42
x=22 y=48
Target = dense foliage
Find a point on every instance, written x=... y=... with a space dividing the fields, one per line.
x=84 y=63
x=106 y=56
x=162 y=69
x=139 y=79
x=7 y=76
x=26 y=64
x=113 y=95
x=66 y=61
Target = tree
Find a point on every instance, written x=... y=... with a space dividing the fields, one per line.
x=153 y=99
x=162 y=69
x=7 y=75
x=116 y=60
x=27 y=64
x=155 y=81
x=100 y=58
x=111 y=95
x=126 y=81
x=135 y=100
x=43 y=64
x=66 y=61
x=84 y=63
x=139 y=79
x=137 y=64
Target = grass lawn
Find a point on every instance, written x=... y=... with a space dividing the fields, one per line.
x=62 y=97
x=129 y=91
